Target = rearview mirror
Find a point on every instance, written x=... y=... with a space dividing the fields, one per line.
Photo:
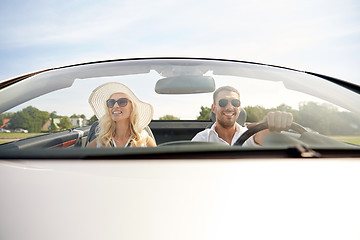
x=185 y=84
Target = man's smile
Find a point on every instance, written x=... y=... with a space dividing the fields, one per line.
x=229 y=114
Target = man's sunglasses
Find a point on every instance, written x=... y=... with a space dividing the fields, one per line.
x=122 y=102
x=224 y=102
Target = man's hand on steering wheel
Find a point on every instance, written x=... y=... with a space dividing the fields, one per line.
x=273 y=122
x=278 y=121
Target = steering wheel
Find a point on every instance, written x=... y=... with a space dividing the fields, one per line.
x=246 y=135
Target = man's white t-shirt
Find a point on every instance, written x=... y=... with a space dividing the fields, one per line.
x=210 y=135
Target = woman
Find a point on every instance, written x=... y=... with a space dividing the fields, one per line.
x=122 y=117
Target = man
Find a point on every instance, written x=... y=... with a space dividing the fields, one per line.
x=226 y=106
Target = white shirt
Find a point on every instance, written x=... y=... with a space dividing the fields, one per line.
x=210 y=135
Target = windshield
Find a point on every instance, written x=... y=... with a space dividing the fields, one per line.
x=182 y=90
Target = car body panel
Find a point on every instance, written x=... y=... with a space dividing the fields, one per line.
x=192 y=199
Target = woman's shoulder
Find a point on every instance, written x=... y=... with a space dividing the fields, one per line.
x=93 y=143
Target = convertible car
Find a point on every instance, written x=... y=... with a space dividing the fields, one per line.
x=300 y=184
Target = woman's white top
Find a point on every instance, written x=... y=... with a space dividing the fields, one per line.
x=143 y=134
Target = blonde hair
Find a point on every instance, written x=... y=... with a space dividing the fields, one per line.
x=105 y=131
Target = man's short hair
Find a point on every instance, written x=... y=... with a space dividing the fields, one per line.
x=225 y=88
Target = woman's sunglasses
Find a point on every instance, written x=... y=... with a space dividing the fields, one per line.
x=122 y=102
x=224 y=102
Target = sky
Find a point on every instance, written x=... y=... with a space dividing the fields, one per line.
x=316 y=35
x=321 y=36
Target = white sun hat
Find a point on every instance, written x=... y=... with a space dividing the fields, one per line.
x=99 y=95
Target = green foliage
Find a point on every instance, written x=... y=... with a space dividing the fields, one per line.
x=255 y=114
x=322 y=118
x=33 y=119
x=5 y=116
x=65 y=123
x=54 y=115
x=78 y=116
x=29 y=118
x=169 y=117
x=204 y=113
x=326 y=119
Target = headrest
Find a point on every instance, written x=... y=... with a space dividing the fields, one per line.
x=240 y=120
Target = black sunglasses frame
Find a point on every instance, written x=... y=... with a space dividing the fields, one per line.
x=224 y=102
x=122 y=102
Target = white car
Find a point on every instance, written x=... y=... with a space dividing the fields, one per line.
x=20 y=130
x=4 y=130
x=299 y=185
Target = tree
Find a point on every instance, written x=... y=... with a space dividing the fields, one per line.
x=4 y=116
x=8 y=115
x=204 y=113
x=169 y=117
x=29 y=118
x=65 y=123
x=255 y=114
x=284 y=108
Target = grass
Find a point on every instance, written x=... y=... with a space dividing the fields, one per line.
x=9 y=137
x=348 y=139
x=17 y=135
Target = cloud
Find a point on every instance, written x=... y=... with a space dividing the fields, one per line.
x=280 y=32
